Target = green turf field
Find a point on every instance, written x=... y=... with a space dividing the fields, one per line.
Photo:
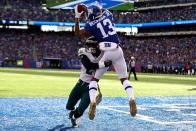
x=58 y=83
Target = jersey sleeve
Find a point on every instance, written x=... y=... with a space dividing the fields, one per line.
x=87 y=27
x=109 y=15
x=88 y=64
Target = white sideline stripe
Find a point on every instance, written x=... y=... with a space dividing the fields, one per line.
x=113 y=106
x=173 y=106
x=115 y=110
x=177 y=110
x=138 y=116
x=178 y=122
x=146 y=118
x=162 y=106
x=190 y=114
x=141 y=108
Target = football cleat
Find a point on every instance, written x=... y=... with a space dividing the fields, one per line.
x=71 y=114
x=133 y=108
x=92 y=111
x=74 y=122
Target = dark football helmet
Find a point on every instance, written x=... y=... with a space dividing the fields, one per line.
x=93 y=45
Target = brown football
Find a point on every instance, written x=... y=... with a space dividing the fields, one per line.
x=82 y=8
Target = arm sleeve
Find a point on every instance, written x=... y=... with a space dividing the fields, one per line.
x=87 y=27
x=110 y=15
x=88 y=64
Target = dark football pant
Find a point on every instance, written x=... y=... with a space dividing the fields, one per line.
x=134 y=72
x=79 y=92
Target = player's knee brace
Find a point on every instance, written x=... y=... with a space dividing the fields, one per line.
x=126 y=84
x=93 y=85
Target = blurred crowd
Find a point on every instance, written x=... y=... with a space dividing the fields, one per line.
x=24 y=45
x=161 y=50
x=155 y=50
x=169 y=14
x=150 y=3
x=33 y=10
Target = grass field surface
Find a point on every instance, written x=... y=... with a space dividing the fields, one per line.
x=58 y=83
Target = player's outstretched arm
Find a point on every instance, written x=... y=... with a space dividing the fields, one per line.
x=81 y=33
x=93 y=66
x=79 y=10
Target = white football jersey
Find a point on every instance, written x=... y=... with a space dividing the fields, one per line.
x=84 y=75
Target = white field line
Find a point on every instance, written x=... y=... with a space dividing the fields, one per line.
x=190 y=114
x=141 y=108
x=147 y=118
x=172 y=107
x=138 y=116
x=162 y=106
x=179 y=122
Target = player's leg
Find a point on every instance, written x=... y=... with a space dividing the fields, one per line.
x=83 y=105
x=92 y=91
x=134 y=72
x=129 y=74
x=93 y=86
x=74 y=96
x=121 y=69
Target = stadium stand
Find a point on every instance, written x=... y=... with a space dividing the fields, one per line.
x=24 y=45
x=151 y=46
x=161 y=3
x=35 y=11
x=158 y=50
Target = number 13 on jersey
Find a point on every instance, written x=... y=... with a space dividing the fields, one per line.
x=106 y=28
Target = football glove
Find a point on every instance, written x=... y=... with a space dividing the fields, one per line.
x=105 y=63
x=77 y=14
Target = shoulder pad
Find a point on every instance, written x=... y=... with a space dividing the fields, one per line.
x=82 y=51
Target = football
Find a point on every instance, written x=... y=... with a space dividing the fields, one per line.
x=82 y=8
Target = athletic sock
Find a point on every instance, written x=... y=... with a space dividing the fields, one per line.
x=129 y=90
x=92 y=91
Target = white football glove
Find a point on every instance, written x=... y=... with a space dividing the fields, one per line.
x=77 y=14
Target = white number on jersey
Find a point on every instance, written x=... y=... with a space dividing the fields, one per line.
x=108 y=23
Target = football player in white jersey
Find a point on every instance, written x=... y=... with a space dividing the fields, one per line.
x=90 y=62
x=100 y=25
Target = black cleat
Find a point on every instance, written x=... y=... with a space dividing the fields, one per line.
x=71 y=114
x=74 y=122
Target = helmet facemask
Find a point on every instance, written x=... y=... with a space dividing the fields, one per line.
x=92 y=45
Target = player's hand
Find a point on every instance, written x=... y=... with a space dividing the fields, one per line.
x=77 y=14
x=107 y=63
